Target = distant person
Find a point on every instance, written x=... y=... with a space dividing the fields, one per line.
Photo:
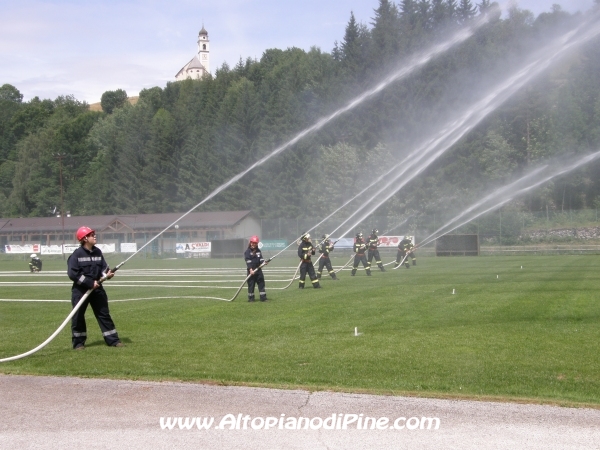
x=373 y=251
x=325 y=248
x=35 y=265
x=405 y=249
x=254 y=260
x=86 y=266
x=360 y=247
x=305 y=252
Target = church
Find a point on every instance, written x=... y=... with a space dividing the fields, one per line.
x=200 y=63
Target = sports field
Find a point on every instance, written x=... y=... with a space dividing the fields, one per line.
x=508 y=328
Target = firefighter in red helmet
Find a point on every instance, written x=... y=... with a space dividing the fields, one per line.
x=85 y=267
x=254 y=261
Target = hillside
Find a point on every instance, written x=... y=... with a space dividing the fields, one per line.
x=97 y=107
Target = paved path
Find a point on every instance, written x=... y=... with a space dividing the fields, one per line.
x=77 y=413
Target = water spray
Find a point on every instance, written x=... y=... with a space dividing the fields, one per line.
x=454 y=130
x=502 y=196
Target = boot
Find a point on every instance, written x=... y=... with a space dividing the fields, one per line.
x=353 y=272
x=250 y=297
x=317 y=286
x=381 y=267
x=334 y=276
x=319 y=275
x=301 y=286
x=414 y=262
x=407 y=265
x=263 y=298
x=368 y=272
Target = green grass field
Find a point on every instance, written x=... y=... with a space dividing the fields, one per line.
x=508 y=333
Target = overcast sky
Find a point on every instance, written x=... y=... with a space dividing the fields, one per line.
x=84 y=48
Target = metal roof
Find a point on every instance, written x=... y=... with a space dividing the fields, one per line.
x=112 y=223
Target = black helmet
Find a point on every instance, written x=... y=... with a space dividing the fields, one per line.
x=305 y=236
x=325 y=236
x=375 y=231
x=359 y=235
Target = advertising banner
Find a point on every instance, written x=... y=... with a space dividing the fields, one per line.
x=389 y=241
x=26 y=248
x=128 y=247
x=342 y=242
x=106 y=248
x=52 y=250
x=384 y=241
x=272 y=244
x=70 y=248
x=193 y=247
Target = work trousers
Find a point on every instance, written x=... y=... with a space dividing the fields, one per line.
x=258 y=279
x=99 y=303
x=375 y=254
x=361 y=258
x=306 y=267
x=326 y=262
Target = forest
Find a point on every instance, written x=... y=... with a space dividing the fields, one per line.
x=182 y=141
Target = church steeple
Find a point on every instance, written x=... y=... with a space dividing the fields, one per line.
x=199 y=65
x=204 y=48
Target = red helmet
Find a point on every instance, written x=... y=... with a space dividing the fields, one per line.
x=83 y=232
x=254 y=239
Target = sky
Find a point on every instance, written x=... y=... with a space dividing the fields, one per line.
x=84 y=48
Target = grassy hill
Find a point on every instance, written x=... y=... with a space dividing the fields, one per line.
x=97 y=107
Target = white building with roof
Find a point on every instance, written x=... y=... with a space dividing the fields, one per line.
x=199 y=65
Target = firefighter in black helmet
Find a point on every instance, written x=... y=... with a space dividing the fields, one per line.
x=373 y=252
x=324 y=249
x=405 y=249
x=305 y=252
x=360 y=247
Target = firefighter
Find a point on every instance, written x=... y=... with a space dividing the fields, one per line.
x=373 y=252
x=35 y=265
x=360 y=247
x=405 y=249
x=254 y=261
x=325 y=248
x=85 y=267
x=305 y=252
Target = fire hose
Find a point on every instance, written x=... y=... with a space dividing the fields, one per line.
x=59 y=329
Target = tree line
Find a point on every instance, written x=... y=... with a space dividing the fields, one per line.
x=180 y=142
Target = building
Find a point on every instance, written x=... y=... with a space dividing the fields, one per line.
x=138 y=228
x=199 y=65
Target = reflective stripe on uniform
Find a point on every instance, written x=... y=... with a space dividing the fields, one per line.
x=108 y=333
x=75 y=334
x=81 y=279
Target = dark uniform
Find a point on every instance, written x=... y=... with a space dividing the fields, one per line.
x=360 y=247
x=373 y=252
x=405 y=250
x=84 y=267
x=254 y=259
x=324 y=249
x=305 y=251
x=35 y=265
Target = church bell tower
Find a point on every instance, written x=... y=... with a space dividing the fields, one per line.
x=204 y=49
